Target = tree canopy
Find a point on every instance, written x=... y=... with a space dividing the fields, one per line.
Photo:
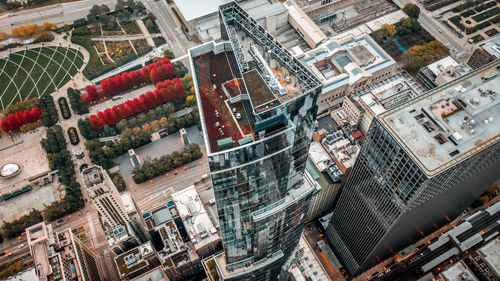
x=412 y=10
x=419 y=56
x=387 y=31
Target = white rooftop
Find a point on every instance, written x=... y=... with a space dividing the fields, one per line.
x=458 y=272
x=389 y=93
x=338 y=62
x=449 y=123
x=200 y=229
x=303 y=20
x=447 y=69
x=492 y=46
x=319 y=156
x=194 y=9
x=491 y=253
x=127 y=202
x=307 y=266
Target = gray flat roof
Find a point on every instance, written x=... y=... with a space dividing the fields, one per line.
x=193 y=9
x=450 y=123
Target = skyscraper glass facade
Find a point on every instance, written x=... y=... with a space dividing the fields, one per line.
x=419 y=167
x=257 y=174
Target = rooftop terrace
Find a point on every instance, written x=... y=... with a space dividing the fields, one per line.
x=239 y=80
x=451 y=122
x=221 y=123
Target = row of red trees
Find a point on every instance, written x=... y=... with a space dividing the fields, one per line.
x=154 y=73
x=14 y=121
x=165 y=91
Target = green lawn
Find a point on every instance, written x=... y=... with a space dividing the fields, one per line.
x=486 y=15
x=36 y=72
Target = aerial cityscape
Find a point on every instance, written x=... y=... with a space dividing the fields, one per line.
x=228 y=140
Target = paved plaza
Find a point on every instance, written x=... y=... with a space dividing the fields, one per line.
x=158 y=148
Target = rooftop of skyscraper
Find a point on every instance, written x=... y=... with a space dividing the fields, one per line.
x=238 y=80
x=451 y=122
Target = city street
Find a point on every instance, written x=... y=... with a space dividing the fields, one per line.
x=59 y=14
x=155 y=191
x=169 y=27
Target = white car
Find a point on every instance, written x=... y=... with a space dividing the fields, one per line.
x=20 y=246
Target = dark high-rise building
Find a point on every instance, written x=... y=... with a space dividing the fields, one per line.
x=421 y=164
x=257 y=107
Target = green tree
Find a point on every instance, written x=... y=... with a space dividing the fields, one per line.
x=179 y=69
x=412 y=10
x=168 y=54
x=408 y=25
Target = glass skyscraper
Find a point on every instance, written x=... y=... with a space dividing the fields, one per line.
x=422 y=163
x=257 y=107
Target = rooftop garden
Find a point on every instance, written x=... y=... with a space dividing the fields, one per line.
x=214 y=69
x=259 y=92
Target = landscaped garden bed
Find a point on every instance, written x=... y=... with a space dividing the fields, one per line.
x=63 y=106
x=141 y=46
x=119 y=49
x=159 y=41
x=131 y=27
x=492 y=32
x=486 y=15
x=396 y=47
x=73 y=136
x=477 y=38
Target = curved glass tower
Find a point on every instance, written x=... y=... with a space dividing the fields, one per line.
x=257 y=105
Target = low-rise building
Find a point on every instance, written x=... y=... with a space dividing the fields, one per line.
x=485 y=53
x=61 y=255
x=137 y=261
x=155 y=274
x=199 y=227
x=325 y=176
x=485 y=262
x=203 y=21
x=177 y=256
x=347 y=65
x=305 y=265
x=377 y=98
x=343 y=151
x=304 y=26
x=441 y=72
x=122 y=238
x=457 y=272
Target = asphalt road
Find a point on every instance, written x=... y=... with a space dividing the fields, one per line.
x=69 y=12
x=168 y=26
x=57 y=14
x=148 y=194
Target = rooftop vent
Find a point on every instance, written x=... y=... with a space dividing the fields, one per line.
x=130 y=259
